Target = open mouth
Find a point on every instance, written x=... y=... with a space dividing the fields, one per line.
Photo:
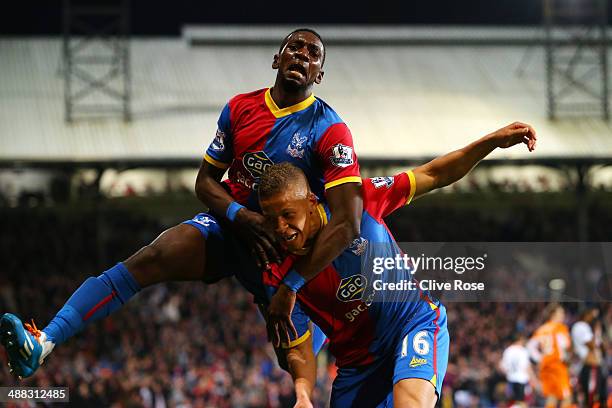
x=291 y=237
x=300 y=69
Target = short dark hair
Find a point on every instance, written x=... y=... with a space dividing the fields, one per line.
x=277 y=178
x=586 y=312
x=308 y=30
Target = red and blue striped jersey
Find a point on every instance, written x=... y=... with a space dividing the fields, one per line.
x=254 y=133
x=361 y=323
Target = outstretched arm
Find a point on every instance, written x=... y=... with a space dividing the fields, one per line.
x=453 y=166
x=346 y=204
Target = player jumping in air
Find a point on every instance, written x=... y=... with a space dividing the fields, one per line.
x=391 y=346
x=255 y=130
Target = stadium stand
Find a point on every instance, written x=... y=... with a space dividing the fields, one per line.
x=401 y=102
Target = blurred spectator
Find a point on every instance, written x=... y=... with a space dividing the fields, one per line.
x=516 y=366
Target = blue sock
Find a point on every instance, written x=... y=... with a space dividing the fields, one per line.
x=94 y=299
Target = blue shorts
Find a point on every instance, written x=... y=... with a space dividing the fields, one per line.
x=421 y=352
x=226 y=255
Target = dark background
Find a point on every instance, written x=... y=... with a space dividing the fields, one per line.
x=166 y=18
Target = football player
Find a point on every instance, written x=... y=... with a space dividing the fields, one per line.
x=550 y=347
x=391 y=346
x=255 y=130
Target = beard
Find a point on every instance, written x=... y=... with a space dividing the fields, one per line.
x=292 y=86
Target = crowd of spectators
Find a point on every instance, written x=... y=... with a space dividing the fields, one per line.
x=479 y=334
x=183 y=345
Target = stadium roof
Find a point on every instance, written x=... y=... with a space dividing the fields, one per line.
x=399 y=101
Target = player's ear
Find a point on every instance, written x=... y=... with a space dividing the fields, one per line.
x=319 y=77
x=312 y=199
x=275 y=61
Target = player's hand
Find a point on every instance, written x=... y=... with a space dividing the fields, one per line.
x=514 y=134
x=303 y=402
x=251 y=226
x=280 y=326
x=303 y=389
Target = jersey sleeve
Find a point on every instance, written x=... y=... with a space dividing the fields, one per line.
x=220 y=151
x=383 y=195
x=337 y=154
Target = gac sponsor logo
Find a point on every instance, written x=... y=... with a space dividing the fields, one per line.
x=256 y=163
x=245 y=180
x=351 y=288
x=362 y=307
x=417 y=362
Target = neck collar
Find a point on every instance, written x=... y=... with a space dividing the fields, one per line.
x=281 y=112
